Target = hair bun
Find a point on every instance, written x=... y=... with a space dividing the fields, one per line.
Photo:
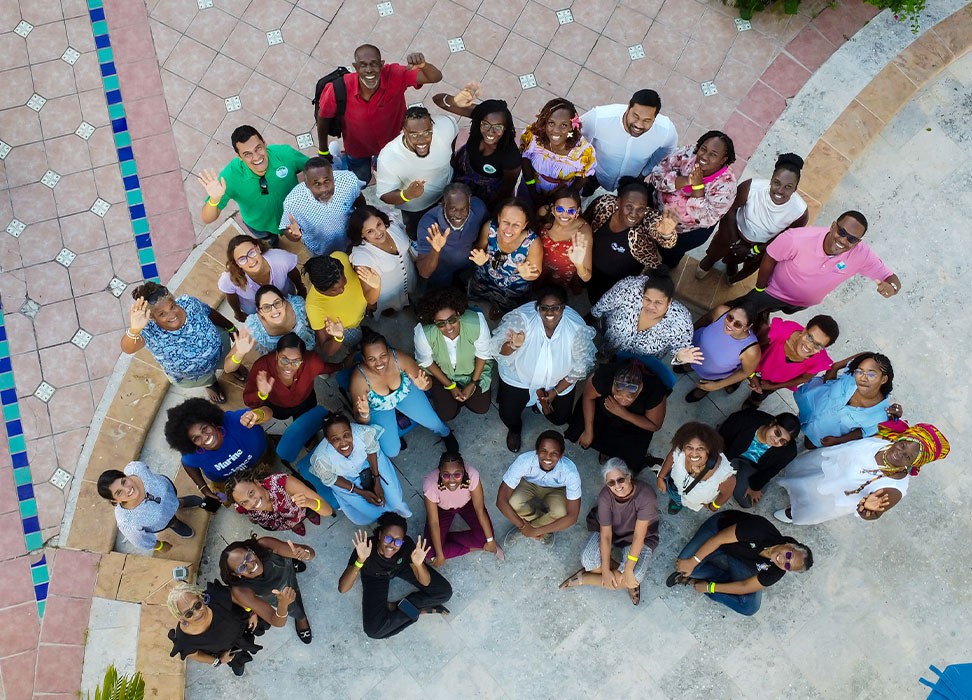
x=791 y=159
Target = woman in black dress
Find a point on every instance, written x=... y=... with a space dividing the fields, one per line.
x=259 y=573
x=212 y=628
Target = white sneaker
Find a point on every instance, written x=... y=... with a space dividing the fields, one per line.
x=782 y=516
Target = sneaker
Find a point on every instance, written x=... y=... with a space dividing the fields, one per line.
x=782 y=516
x=181 y=529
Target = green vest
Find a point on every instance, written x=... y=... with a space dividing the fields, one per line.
x=465 y=352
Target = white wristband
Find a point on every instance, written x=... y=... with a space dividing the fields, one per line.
x=489 y=539
x=697 y=559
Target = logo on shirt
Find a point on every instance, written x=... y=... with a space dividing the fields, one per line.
x=283 y=171
x=618 y=248
x=489 y=169
x=762 y=567
x=841 y=266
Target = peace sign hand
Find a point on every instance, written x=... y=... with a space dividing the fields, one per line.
x=421 y=551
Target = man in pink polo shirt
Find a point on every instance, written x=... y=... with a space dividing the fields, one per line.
x=803 y=265
x=375 y=105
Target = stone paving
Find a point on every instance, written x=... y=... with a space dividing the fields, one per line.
x=177 y=60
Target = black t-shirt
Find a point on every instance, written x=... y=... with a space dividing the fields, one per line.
x=496 y=162
x=653 y=392
x=228 y=630
x=612 y=255
x=754 y=533
x=378 y=567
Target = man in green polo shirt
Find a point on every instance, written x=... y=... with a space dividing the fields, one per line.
x=258 y=180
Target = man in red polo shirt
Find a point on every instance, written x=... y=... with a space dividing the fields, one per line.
x=375 y=106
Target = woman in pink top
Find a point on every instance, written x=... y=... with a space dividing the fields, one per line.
x=792 y=355
x=454 y=489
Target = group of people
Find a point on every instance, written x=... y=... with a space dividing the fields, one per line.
x=492 y=247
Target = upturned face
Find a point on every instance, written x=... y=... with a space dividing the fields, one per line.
x=253 y=152
x=558 y=127
x=320 y=182
x=621 y=485
x=632 y=208
x=289 y=361
x=206 y=436
x=451 y=474
x=549 y=453
x=390 y=540
x=167 y=314
x=455 y=206
x=843 y=235
x=511 y=223
x=447 y=321
x=418 y=135
x=712 y=155
x=902 y=453
x=492 y=127
x=245 y=562
x=126 y=491
x=551 y=310
x=272 y=307
x=251 y=496
x=566 y=210
x=696 y=454
x=783 y=185
x=376 y=357
x=249 y=257
x=374 y=231
x=340 y=437
x=368 y=64
x=638 y=119
x=810 y=341
x=655 y=303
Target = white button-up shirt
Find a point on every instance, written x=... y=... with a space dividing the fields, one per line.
x=618 y=152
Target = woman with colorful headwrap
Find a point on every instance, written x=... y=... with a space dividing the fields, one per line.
x=867 y=477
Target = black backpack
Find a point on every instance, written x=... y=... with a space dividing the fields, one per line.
x=336 y=77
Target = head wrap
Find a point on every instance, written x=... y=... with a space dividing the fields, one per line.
x=934 y=446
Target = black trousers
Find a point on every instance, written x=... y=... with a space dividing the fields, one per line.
x=690 y=240
x=380 y=622
x=281 y=413
x=512 y=401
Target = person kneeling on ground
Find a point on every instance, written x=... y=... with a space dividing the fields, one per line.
x=758 y=446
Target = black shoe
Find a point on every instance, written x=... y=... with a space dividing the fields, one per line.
x=299 y=566
x=191 y=502
x=450 y=443
x=182 y=529
x=675 y=578
x=695 y=395
x=512 y=441
x=402 y=445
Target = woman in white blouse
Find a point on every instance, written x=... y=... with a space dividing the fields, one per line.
x=380 y=244
x=542 y=349
x=695 y=473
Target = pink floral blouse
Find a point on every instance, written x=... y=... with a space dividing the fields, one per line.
x=693 y=212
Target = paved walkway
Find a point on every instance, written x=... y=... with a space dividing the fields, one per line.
x=67 y=185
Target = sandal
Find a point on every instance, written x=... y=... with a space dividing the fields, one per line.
x=299 y=529
x=216 y=394
x=635 y=594
x=573 y=580
x=695 y=395
x=677 y=578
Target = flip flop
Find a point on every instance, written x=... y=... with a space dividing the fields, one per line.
x=573 y=580
x=635 y=595
x=675 y=578
x=216 y=394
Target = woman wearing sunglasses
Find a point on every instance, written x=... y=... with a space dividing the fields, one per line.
x=277 y=315
x=837 y=409
x=390 y=553
x=625 y=520
x=452 y=345
x=567 y=242
x=282 y=381
x=758 y=446
x=729 y=348
x=212 y=628
x=262 y=576
x=734 y=556
x=250 y=264
x=451 y=489
x=622 y=408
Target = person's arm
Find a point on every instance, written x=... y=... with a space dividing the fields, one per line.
x=419 y=555
x=219 y=320
x=725 y=493
x=876 y=504
x=510 y=176
x=275 y=616
x=241 y=346
x=295 y=279
x=196 y=476
x=531 y=268
x=831 y=440
x=432 y=527
x=637 y=547
x=605 y=535
x=725 y=536
x=711 y=316
x=530 y=179
x=304 y=497
x=400 y=195
x=359 y=398
x=573 y=512
x=426 y=263
x=139 y=317
x=234 y=301
x=644 y=421
x=581 y=252
x=215 y=187
x=205 y=657
x=288 y=550
x=799 y=223
x=831 y=374
x=766 y=268
x=665 y=470
x=748 y=360
x=503 y=503
x=362 y=550
x=426 y=73
x=460 y=104
x=479 y=505
x=742 y=196
x=889 y=286
x=749 y=585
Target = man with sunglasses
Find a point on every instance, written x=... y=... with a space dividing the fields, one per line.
x=446 y=236
x=803 y=265
x=258 y=181
x=734 y=556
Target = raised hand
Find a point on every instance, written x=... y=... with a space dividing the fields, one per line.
x=479 y=256
x=416 y=60
x=527 y=270
x=293 y=232
x=264 y=383
x=515 y=339
x=243 y=343
x=362 y=545
x=691 y=355
x=577 y=253
x=285 y=597
x=421 y=380
x=362 y=407
x=249 y=419
x=895 y=410
x=877 y=502
x=667 y=223
x=416 y=188
x=436 y=238
x=139 y=316
x=334 y=327
x=695 y=177
x=421 y=551
x=300 y=552
x=466 y=96
x=368 y=276
x=214 y=185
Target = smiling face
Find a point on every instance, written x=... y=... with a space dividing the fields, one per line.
x=549 y=453
x=869 y=377
x=249 y=257
x=368 y=64
x=373 y=230
x=902 y=453
x=492 y=127
x=566 y=210
x=250 y=495
x=551 y=310
x=245 y=562
x=253 y=152
x=787 y=557
x=127 y=492
x=776 y=436
x=455 y=206
x=655 y=304
x=625 y=393
x=632 y=208
x=711 y=155
x=340 y=437
x=638 y=119
x=809 y=342
x=511 y=223
x=320 y=182
x=621 y=485
x=696 y=453
x=206 y=436
x=843 y=235
x=782 y=186
x=451 y=474
x=167 y=314
x=418 y=135
x=558 y=128
x=376 y=357
x=736 y=323
x=447 y=321
x=272 y=307
x=387 y=549
x=288 y=362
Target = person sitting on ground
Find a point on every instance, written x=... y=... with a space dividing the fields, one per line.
x=489 y=161
x=380 y=244
x=622 y=408
x=758 y=446
x=699 y=186
x=837 y=409
x=791 y=355
x=761 y=211
x=734 y=556
x=803 y=265
x=446 y=236
x=186 y=337
x=542 y=350
x=363 y=480
x=258 y=180
x=541 y=491
x=567 y=242
x=452 y=489
x=390 y=553
x=262 y=576
x=337 y=300
x=555 y=153
x=695 y=473
x=212 y=629
x=276 y=502
x=215 y=445
x=146 y=503
x=251 y=264
x=729 y=349
x=626 y=519
x=452 y=345
x=316 y=211
x=276 y=316
x=388 y=381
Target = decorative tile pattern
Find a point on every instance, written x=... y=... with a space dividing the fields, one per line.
x=29 y=308
x=81 y=338
x=743 y=25
x=66 y=257
x=16 y=227
x=456 y=45
x=36 y=102
x=4 y=149
x=709 y=89
x=233 y=103
x=305 y=140
x=85 y=130
x=100 y=207
x=50 y=179
x=635 y=52
x=24 y=28
x=70 y=56
x=274 y=37
x=565 y=16
x=385 y=9
x=528 y=81
x=44 y=392
x=60 y=478
x=204 y=4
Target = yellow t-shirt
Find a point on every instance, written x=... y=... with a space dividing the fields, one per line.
x=349 y=306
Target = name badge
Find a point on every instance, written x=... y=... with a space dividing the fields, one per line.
x=282 y=171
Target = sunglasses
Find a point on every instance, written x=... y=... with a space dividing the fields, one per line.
x=274 y=306
x=735 y=322
x=264 y=187
x=487 y=127
x=870 y=374
x=451 y=476
x=287 y=362
x=550 y=308
x=248 y=558
x=853 y=240
x=570 y=211
x=627 y=387
x=452 y=320
x=786 y=564
x=193 y=609
x=388 y=539
x=251 y=255
x=620 y=481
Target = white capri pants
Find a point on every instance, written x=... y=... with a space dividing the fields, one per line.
x=591 y=557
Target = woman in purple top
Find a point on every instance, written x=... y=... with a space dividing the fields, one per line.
x=729 y=347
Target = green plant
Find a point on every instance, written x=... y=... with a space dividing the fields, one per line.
x=119 y=687
x=904 y=10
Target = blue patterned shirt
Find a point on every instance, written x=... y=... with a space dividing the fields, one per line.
x=267 y=342
x=190 y=352
x=323 y=225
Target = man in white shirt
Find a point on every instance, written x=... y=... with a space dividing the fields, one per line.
x=627 y=140
x=415 y=168
x=316 y=211
x=545 y=477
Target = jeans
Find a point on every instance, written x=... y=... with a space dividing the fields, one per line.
x=361 y=167
x=417 y=407
x=379 y=622
x=744 y=472
x=722 y=568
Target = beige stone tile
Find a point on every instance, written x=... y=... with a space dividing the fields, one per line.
x=664 y=45
x=26 y=164
x=20 y=125
x=139 y=396
x=212 y=28
x=63 y=365
x=699 y=62
x=75 y=193
x=285 y=63
x=574 y=41
x=924 y=58
x=609 y=58
x=46 y=42
x=889 y=91
x=203 y=111
x=853 y=130
x=628 y=26
x=267 y=15
x=225 y=77
x=502 y=84
x=109 y=575
x=537 y=23
x=823 y=169
x=145 y=580
x=13 y=50
x=593 y=14
x=484 y=37
x=263 y=96
x=530 y=102
x=246 y=44
x=504 y=13
x=19 y=87
x=190 y=59
x=66 y=154
x=154 y=644
x=556 y=73
x=165 y=39
x=91 y=272
x=955 y=31
x=71 y=407
x=117 y=443
x=47 y=282
x=93 y=526
x=53 y=78
x=518 y=55
x=394 y=34
x=177 y=14
x=201 y=283
x=56 y=323
x=164 y=686
x=590 y=90
x=60 y=116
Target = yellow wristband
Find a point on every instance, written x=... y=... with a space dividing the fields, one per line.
x=339 y=338
x=759 y=290
x=450 y=387
x=213 y=204
x=158 y=547
x=715 y=506
x=631 y=558
x=401 y=194
x=530 y=182
x=235 y=361
x=358 y=564
x=712 y=586
x=263 y=397
x=318 y=505
x=323 y=153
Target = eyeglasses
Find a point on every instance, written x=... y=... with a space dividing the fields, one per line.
x=550 y=308
x=735 y=322
x=620 y=481
x=870 y=374
x=248 y=558
x=853 y=240
x=451 y=476
x=570 y=211
x=287 y=362
x=786 y=564
x=274 y=306
x=251 y=255
x=388 y=539
x=427 y=134
x=813 y=341
x=627 y=387
x=487 y=127
x=193 y=609
x=447 y=322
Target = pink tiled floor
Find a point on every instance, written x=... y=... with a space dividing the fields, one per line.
x=177 y=64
